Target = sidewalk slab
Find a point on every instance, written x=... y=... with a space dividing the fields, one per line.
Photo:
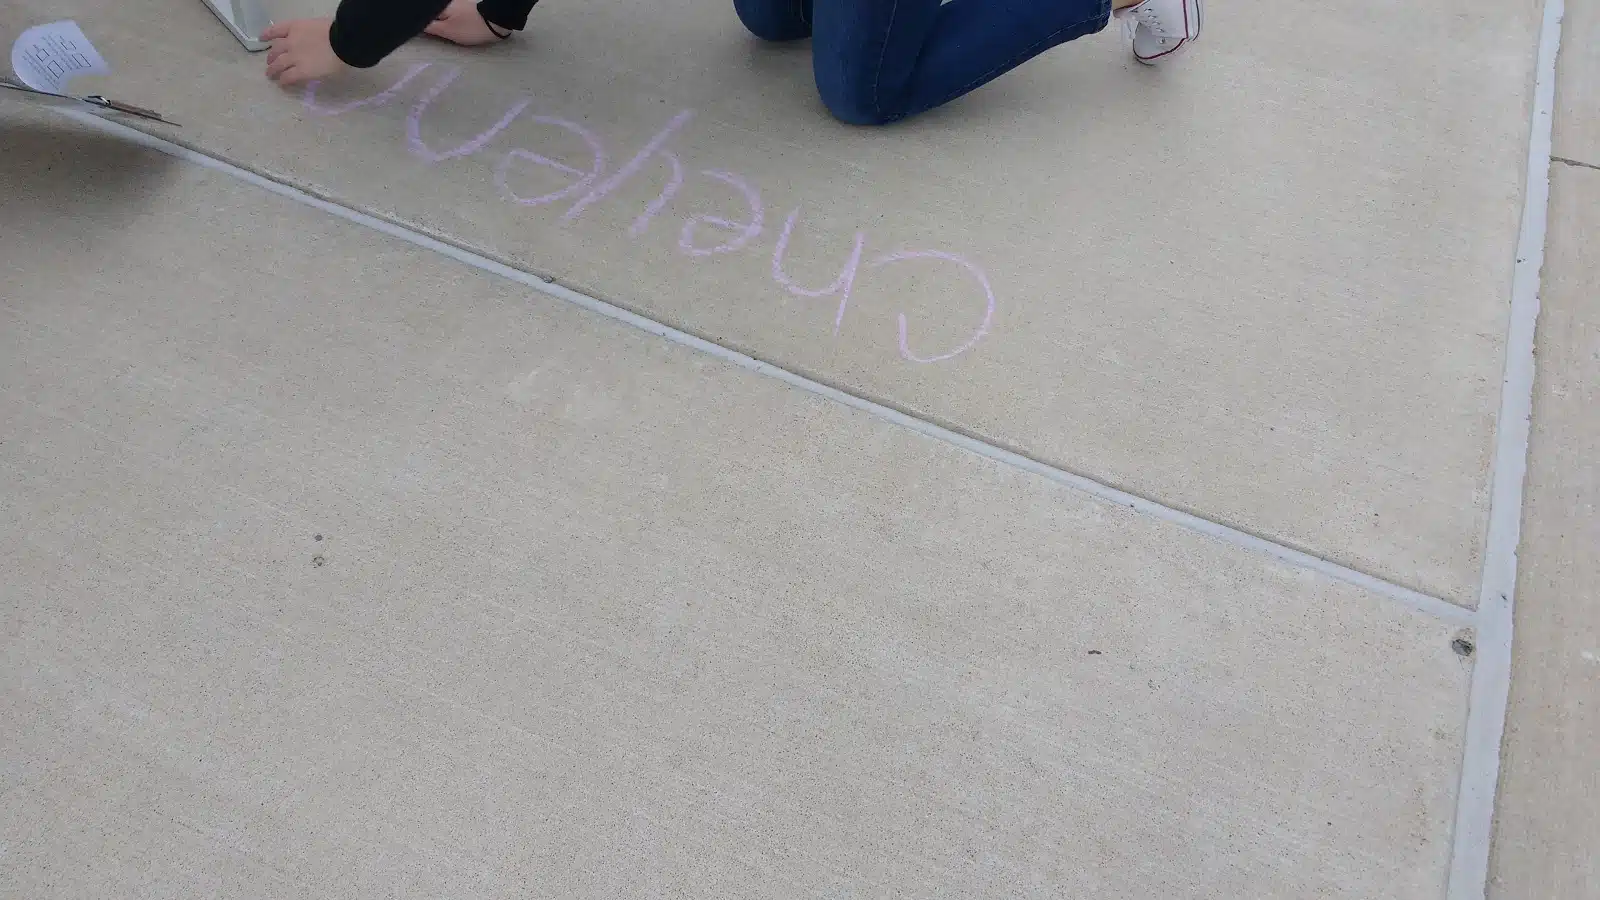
x=394 y=579
x=1548 y=814
x=1576 y=130
x=1263 y=285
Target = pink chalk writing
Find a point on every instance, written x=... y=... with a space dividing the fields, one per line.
x=631 y=168
x=597 y=166
x=840 y=286
x=698 y=234
x=466 y=148
x=309 y=100
x=743 y=234
x=974 y=271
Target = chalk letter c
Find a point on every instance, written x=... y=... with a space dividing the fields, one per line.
x=973 y=270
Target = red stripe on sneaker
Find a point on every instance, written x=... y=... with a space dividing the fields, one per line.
x=1175 y=48
x=1186 y=38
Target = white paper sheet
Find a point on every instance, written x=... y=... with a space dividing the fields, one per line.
x=46 y=57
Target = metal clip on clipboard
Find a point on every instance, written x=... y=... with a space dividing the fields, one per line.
x=117 y=106
x=105 y=103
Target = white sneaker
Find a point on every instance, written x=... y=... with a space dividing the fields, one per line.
x=1161 y=28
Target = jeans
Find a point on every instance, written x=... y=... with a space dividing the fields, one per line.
x=879 y=61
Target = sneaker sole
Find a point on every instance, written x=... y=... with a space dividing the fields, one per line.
x=1191 y=8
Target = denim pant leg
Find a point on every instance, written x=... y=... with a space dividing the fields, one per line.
x=776 y=20
x=878 y=61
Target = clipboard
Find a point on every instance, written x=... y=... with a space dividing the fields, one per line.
x=103 y=104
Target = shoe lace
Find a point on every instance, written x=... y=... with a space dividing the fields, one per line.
x=1145 y=14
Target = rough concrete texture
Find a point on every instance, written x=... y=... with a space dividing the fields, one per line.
x=1577 y=127
x=1264 y=285
x=334 y=568
x=1548 y=822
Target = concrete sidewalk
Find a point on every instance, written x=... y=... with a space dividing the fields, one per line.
x=1111 y=525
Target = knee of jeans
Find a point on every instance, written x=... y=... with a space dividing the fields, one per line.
x=773 y=20
x=851 y=98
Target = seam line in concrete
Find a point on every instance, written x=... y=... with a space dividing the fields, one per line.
x=1573 y=162
x=1417 y=601
x=1472 y=837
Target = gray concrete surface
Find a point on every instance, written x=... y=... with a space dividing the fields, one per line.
x=332 y=567
x=1264 y=285
x=1577 y=126
x=1549 y=812
x=335 y=568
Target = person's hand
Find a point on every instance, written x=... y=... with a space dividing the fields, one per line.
x=300 y=51
x=461 y=23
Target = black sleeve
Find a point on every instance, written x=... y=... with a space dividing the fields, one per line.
x=506 y=15
x=365 y=31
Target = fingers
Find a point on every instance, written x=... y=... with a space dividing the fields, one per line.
x=299 y=52
x=276 y=68
x=438 y=26
x=292 y=76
